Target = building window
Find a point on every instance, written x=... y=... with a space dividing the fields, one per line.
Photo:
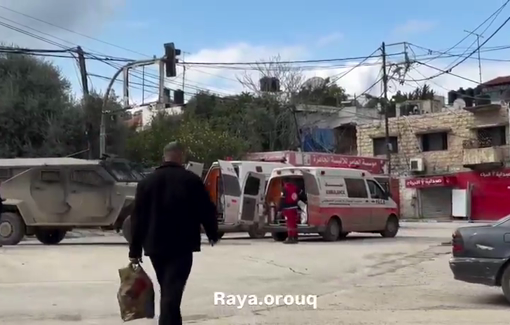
x=491 y=137
x=380 y=145
x=356 y=188
x=434 y=141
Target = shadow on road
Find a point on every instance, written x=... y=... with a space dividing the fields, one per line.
x=494 y=300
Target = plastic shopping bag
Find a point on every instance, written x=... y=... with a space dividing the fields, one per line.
x=136 y=293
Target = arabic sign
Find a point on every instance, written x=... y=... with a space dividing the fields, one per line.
x=496 y=174
x=373 y=165
x=426 y=182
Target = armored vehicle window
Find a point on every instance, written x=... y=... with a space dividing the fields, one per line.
x=5 y=173
x=87 y=177
x=50 y=176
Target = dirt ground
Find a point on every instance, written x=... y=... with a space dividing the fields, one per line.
x=362 y=280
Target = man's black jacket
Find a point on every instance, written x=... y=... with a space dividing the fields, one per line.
x=170 y=205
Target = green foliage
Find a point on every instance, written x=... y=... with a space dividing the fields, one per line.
x=38 y=116
x=420 y=93
x=327 y=94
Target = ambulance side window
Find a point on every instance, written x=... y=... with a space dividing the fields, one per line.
x=252 y=186
x=356 y=188
x=376 y=191
x=231 y=185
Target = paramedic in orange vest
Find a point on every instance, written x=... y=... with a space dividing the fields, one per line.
x=289 y=208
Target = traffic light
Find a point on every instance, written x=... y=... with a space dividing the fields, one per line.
x=166 y=95
x=171 y=54
x=178 y=97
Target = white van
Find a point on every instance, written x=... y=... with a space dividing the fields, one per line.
x=237 y=189
x=338 y=201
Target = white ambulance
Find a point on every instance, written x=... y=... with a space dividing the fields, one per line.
x=338 y=201
x=237 y=189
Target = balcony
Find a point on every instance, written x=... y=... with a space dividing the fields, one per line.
x=480 y=108
x=476 y=157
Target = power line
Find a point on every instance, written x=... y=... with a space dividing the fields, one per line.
x=71 y=31
x=474 y=30
x=473 y=52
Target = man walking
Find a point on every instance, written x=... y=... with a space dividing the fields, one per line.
x=170 y=205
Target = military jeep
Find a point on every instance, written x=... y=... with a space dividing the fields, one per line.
x=47 y=197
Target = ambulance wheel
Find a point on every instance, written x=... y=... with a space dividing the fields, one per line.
x=256 y=233
x=343 y=235
x=220 y=234
x=392 y=226
x=279 y=236
x=333 y=230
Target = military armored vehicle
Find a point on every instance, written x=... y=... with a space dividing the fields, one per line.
x=47 y=197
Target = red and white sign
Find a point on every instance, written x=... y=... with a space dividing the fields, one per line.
x=426 y=182
x=315 y=159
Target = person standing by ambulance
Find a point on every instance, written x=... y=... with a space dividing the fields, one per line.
x=289 y=207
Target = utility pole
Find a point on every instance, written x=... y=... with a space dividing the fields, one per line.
x=478 y=36
x=167 y=67
x=183 y=73
x=86 y=99
x=386 y=107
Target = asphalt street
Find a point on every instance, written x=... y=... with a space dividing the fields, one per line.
x=361 y=280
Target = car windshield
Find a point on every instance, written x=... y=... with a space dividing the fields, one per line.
x=503 y=222
x=122 y=171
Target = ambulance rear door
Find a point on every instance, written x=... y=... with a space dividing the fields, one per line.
x=313 y=199
x=230 y=192
x=254 y=186
x=196 y=168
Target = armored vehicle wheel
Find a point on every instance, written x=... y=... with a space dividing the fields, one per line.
x=256 y=233
x=12 y=228
x=50 y=236
x=279 y=236
x=126 y=229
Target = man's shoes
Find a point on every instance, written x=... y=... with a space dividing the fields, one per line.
x=291 y=240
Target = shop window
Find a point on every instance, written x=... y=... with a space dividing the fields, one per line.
x=356 y=188
x=380 y=145
x=491 y=137
x=434 y=141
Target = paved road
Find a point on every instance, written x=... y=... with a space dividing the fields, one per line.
x=363 y=280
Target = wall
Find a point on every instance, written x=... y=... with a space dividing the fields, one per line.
x=409 y=145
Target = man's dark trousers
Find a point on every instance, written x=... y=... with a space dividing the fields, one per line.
x=172 y=273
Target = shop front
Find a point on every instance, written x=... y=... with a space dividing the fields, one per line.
x=434 y=196
x=488 y=194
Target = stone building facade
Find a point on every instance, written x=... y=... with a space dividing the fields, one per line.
x=445 y=141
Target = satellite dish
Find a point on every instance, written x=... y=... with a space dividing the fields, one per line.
x=314 y=83
x=459 y=103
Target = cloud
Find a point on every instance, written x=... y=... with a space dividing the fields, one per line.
x=330 y=39
x=224 y=80
x=87 y=17
x=414 y=26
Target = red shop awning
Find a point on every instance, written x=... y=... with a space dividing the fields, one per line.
x=432 y=181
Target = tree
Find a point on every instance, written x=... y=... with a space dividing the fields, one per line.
x=420 y=93
x=204 y=142
x=37 y=114
x=325 y=93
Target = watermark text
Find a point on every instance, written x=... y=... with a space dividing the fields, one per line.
x=241 y=301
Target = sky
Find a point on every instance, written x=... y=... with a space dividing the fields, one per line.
x=238 y=31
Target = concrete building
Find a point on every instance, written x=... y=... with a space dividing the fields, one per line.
x=452 y=163
x=332 y=129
